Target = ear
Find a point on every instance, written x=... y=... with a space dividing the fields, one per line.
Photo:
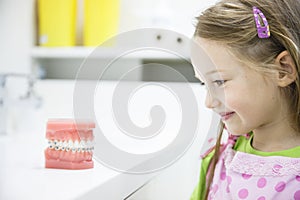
x=288 y=72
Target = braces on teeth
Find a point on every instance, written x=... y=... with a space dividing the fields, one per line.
x=76 y=146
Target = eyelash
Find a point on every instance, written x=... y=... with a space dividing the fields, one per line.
x=220 y=82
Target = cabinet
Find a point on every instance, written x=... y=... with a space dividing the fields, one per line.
x=135 y=52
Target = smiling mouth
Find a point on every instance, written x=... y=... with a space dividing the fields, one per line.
x=226 y=115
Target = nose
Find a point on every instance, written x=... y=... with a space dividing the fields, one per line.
x=210 y=101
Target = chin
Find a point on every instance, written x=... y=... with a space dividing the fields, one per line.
x=236 y=131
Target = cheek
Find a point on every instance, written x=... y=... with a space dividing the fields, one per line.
x=235 y=99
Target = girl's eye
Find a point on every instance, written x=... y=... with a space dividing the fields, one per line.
x=219 y=82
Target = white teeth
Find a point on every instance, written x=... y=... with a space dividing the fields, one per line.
x=82 y=146
x=64 y=146
x=76 y=143
x=76 y=146
x=56 y=145
x=89 y=146
x=70 y=143
x=67 y=149
x=51 y=144
x=73 y=149
x=60 y=145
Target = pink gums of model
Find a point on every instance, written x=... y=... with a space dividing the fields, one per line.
x=70 y=144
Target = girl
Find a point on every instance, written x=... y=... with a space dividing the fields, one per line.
x=254 y=87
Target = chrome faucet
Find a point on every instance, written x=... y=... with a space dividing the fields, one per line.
x=5 y=101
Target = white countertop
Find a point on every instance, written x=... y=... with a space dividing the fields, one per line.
x=22 y=171
x=23 y=175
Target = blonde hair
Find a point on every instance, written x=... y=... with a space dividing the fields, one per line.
x=231 y=22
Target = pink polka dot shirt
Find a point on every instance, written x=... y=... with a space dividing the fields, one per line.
x=240 y=175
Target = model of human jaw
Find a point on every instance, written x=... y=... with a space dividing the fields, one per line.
x=70 y=144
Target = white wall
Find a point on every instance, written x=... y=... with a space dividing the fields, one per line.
x=145 y=13
x=16 y=35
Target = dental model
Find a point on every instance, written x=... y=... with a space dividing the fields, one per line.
x=70 y=144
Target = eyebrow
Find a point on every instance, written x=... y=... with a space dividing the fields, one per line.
x=214 y=71
x=209 y=73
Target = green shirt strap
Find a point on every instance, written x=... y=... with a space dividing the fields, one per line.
x=199 y=191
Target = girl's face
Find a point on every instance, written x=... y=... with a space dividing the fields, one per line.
x=244 y=99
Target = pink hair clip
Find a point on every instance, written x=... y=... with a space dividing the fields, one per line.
x=263 y=30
